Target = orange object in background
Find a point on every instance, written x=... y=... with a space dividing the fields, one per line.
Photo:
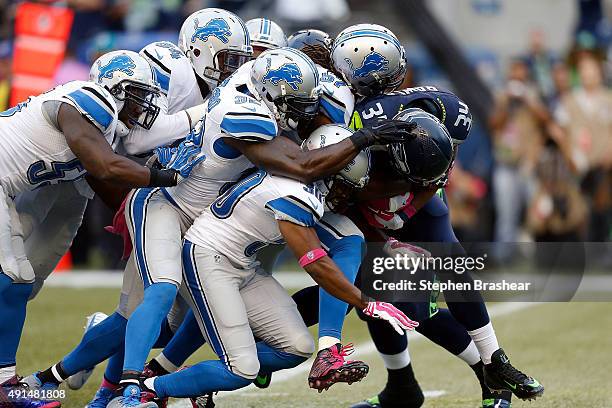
x=64 y=264
x=41 y=36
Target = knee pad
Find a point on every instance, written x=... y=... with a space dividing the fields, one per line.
x=246 y=366
x=302 y=345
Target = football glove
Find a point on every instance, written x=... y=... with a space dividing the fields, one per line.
x=187 y=156
x=384 y=132
x=164 y=154
x=395 y=317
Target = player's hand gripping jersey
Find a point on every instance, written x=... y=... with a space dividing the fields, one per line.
x=230 y=113
x=34 y=151
x=244 y=218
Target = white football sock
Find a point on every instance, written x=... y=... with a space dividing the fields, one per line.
x=150 y=383
x=485 y=341
x=396 y=361
x=6 y=373
x=327 y=342
x=470 y=355
x=165 y=363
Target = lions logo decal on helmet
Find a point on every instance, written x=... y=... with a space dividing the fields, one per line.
x=373 y=62
x=217 y=27
x=122 y=63
x=175 y=52
x=290 y=73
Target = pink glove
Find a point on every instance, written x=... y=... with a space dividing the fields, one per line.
x=388 y=312
x=120 y=228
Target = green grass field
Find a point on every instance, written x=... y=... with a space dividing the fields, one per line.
x=566 y=346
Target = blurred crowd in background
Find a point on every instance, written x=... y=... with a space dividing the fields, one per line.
x=539 y=167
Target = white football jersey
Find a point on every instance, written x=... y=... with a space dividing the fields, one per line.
x=243 y=219
x=175 y=75
x=231 y=114
x=35 y=152
x=179 y=91
x=337 y=101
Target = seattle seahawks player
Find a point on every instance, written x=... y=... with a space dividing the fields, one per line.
x=235 y=300
x=265 y=35
x=79 y=121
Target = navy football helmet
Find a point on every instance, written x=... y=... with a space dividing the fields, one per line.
x=424 y=160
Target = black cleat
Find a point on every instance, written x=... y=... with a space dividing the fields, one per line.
x=263 y=380
x=500 y=375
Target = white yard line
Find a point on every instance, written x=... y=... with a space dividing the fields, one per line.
x=363 y=350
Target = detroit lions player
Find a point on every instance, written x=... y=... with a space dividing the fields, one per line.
x=235 y=300
x=78 y=120
x=265 y=35
x=240 y=117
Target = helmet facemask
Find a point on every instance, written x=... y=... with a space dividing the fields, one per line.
x=226 y=63
x=294 y=111
x=138 y=102
x=376 y=84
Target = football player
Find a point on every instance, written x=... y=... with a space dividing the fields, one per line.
x=235 y=300
x=185 y=76
x=265 y=35
x=359 y=47
x=79 y=122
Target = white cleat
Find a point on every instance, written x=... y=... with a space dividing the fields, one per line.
x=78 y=380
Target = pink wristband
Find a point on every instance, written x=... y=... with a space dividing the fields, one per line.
x=312 y=256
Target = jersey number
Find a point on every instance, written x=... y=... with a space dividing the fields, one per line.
x=372 y=112
x=463 y=116
x=38 y=172
x=224 y=205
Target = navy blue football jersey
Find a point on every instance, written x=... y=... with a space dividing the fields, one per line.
x=446 y=106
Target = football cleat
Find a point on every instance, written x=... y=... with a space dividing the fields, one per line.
x=496 y=403
x=13 y=394
x=500 y=375
x=149 y=372
x=102 y=398
x=263 y=380
x=131 y=398
x=205 y=401
x=34 y=383
x=76 y=381
x=330 y=367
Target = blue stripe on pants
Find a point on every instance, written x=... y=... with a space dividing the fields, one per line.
x=138 y=211
x=199 y=299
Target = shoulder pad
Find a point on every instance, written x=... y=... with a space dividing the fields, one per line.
x=94 y=102
x=243 y=117
x=162 y=56
x=302 y=208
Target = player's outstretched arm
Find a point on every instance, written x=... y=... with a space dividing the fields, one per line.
x=302 y=241
x=88 y=144
x=282 y=157
x=305 y=244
